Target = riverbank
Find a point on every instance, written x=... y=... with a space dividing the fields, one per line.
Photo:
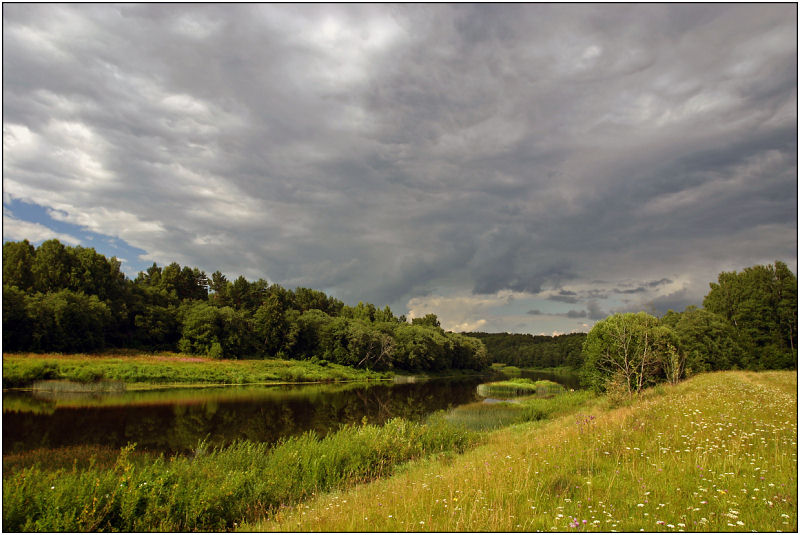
x=717 y=452
x=141 y=371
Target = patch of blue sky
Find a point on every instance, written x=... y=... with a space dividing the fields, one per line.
x=102 y=243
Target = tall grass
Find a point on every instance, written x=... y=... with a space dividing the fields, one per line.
x=21 y=370
x=715 y=453
x=482 y=416
x=214 y=489
x=519 y=387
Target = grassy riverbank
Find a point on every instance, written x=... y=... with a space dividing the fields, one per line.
x=140 y=371
x=211 y=490
x=715 y=453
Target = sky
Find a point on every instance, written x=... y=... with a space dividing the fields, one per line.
x=525 y=168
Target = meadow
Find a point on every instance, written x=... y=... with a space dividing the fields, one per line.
x=717 y=452
x=139 y=370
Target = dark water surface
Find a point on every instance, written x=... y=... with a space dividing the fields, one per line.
x=175 y=420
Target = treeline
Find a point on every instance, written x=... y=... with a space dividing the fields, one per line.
x=70 y=299
x=748 y=321
x=529 y=351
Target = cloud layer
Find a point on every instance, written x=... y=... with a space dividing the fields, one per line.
x=582 y=158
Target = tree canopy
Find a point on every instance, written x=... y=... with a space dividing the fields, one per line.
x=63 y=298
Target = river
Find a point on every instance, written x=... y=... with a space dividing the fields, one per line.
x=175 y=420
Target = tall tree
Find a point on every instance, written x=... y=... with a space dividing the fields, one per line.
x=761 y=304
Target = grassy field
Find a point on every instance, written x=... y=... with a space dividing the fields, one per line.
x=715 y=453
x=139 y=371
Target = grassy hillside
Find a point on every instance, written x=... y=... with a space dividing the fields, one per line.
x=715 y=453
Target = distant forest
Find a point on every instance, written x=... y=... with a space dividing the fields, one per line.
x=59 y=298
x=529 y=351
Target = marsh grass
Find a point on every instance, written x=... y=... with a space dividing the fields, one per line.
x=715 y=453
x=21 y=370
x=519 y=387
x=481 y=416
x=214 y=489
x=96 y=387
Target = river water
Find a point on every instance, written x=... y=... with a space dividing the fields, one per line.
x=175 y=420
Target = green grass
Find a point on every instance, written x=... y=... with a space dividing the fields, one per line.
x=519 y=387
x=482 y=416
x=717 y=452
x=212 y=490
x=22 y=370
x=46 y=402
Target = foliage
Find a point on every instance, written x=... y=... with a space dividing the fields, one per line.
x=760 y=302
x=708 y=341
x=63 y=298
x=632 y=350
x=529 y=351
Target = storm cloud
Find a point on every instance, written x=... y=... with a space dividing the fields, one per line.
x=438 y=156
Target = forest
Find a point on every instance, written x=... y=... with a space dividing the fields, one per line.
x=68 y=299
x=534 y=351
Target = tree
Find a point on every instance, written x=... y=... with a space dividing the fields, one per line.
x=707 y=340
x=51 y=267
x=17 y=264
x=67 y=321
x=16 y=323
x=761 y=304
x=630 y=350
x=428 y=319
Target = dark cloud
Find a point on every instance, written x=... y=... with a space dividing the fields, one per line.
x=577 y=314
x=564 y=296
x=594 y=311
x=388 y=152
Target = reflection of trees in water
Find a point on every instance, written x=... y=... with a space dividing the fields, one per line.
x=179 y=427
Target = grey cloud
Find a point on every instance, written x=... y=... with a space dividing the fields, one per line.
x=594 y=311
x=577 y=314
x=380 y=152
